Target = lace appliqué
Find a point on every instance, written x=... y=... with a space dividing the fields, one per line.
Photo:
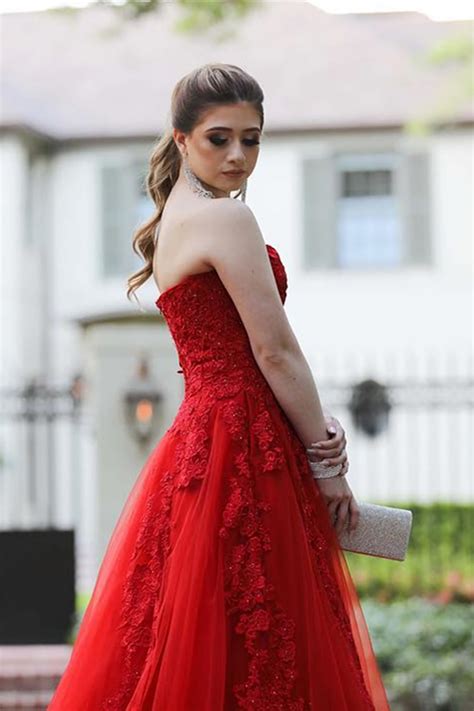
x=267 y=630
x=251 y=601
x=267 y=438
x=141 y=590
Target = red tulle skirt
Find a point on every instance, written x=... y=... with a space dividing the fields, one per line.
x=223 y=585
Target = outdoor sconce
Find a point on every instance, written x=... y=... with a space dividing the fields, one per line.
x=141 y=403
x=76 y=391
x=369 y=406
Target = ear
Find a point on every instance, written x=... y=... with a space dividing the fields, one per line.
x=180 y=140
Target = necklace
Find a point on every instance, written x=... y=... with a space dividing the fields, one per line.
x=194 y=181
x=197 y=187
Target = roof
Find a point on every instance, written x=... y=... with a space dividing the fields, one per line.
x=86 y=74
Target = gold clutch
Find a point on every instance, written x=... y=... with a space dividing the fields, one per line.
x=382 y=531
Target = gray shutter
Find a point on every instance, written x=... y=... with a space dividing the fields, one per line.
x=119 y=196
x=414 y=192
x=139 y=167
x=320 y=192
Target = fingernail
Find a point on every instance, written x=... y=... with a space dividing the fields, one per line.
x=331 y=429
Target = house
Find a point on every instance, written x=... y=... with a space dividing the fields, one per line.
x=374 y=225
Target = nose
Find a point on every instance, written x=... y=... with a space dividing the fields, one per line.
x=236 y=154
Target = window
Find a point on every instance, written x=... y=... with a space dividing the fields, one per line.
x=368 y=232
x=125 y=205
x=366 y=210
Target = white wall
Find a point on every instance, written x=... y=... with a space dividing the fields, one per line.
x=13 y=285
x=111 y=354
x=16 y=360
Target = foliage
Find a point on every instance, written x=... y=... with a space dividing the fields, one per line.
x=455 y=52
x=425 y=653
x=197 y=16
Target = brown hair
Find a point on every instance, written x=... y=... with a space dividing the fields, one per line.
x=210 y=84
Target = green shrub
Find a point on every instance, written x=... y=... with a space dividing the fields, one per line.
x=439 y=561
x=425 y=653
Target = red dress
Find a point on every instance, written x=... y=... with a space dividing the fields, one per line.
x=223 y=586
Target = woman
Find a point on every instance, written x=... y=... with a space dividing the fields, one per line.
x=223 y=585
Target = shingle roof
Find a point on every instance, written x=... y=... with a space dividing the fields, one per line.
x=86 y=74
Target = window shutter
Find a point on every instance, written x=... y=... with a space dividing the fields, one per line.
x=415 y=206
x=319 y=211
x=139 y=167
x=119 y=200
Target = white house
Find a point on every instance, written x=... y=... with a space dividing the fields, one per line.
x=373 y=224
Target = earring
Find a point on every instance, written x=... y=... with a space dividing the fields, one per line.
x=194 y=182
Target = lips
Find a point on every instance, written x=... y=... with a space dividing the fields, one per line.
x=235 y=174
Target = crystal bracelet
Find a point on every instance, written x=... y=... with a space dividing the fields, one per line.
x=321 y=471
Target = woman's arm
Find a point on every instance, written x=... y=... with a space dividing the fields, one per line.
x=228 y=238
x=292 y=383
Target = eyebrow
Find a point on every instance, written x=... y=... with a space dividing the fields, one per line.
x=226 y=128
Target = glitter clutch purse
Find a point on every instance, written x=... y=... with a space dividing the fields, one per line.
x=381 y=531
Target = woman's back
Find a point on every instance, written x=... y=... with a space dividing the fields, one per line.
x=177 y=253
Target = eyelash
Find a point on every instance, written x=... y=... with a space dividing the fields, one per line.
x=221 y=141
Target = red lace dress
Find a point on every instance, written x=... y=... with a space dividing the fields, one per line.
x=223 y=586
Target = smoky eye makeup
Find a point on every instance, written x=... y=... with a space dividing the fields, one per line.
x=220 y=141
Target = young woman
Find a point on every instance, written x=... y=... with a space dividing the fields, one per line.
x=224 y=586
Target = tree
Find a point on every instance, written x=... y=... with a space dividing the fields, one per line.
x=457 y=51
x=197 y=15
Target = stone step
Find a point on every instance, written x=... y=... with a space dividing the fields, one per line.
x=28 y=681
x=29 y=675
x=27 y=700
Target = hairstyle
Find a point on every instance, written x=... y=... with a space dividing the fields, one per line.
x=195 y=93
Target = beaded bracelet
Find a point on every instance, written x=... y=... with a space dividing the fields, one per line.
x=322 y=471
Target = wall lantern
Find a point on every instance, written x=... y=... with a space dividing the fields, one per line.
x=369 y=406
x=142 y=399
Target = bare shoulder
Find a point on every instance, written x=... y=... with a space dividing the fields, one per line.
x=225 y=207
x=223 y=212
x=227 y=230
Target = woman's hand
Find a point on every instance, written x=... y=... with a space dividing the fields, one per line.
x=333 y=449
x=342 y=506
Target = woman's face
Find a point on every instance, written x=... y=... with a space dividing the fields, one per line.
x=226 y=139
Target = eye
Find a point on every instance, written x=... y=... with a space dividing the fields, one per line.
x=218 y=141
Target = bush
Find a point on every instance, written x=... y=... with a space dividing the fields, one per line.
x=425 y=653
x=439 y=562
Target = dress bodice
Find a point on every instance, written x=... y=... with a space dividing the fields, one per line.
x=207 y=330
